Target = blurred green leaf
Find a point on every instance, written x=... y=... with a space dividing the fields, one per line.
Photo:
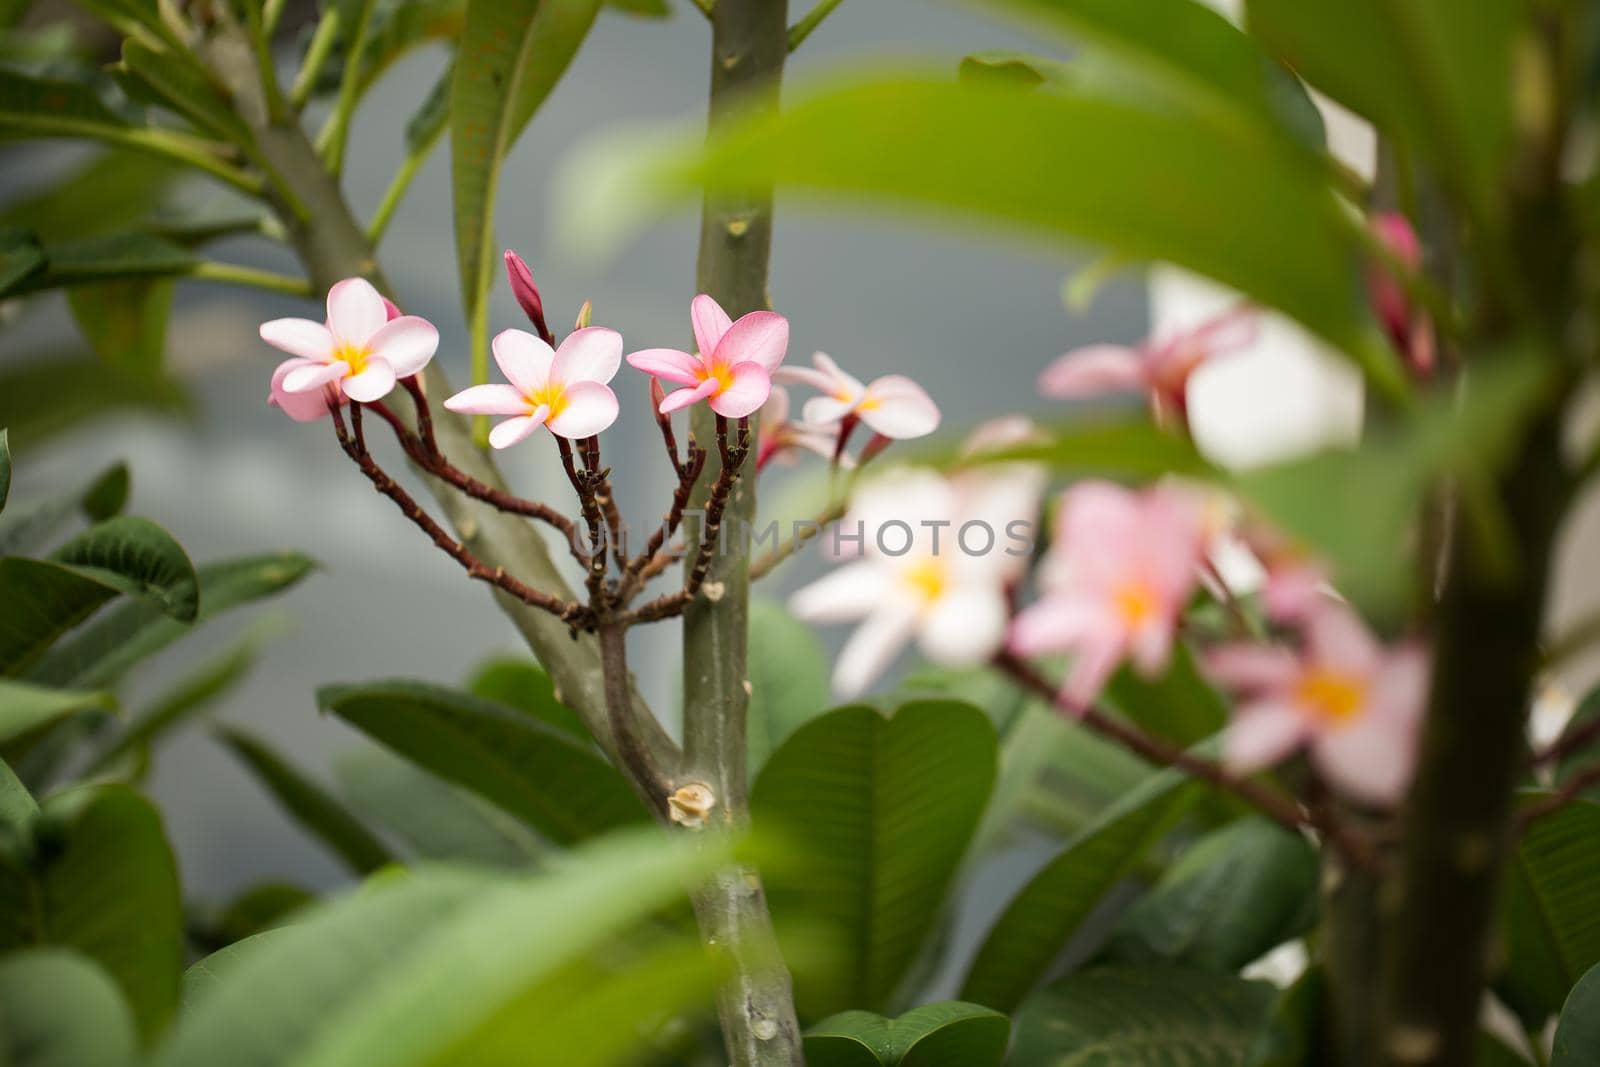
x=108 y=258
x=262 y=907
x=192 y=694
x=96 y=874
x=139 y=558
x=883 y=809
x=1467 y=433
x=1232 y=897
x=136 y=18
x=1143 y=184
x=25 y=707
x=399 y=28
x=1494 y=1052
x=1582 y=756
x=1435 y=74
x=654 y=9
x=1181 y=706
x=1019 y=70
x=1294 y=1032
x=520 y=49
x=436 y=820
x=1548 y=918
x=47 y=107
x=519 y=682
x=107 y=495
x=1045 y=914
x=125 y=322
x=112 y=191
x=414 y=968
x=42 y=397
x=788 y=678
x=1577 y=1041
x=561 y=787
x=110 y=646
x=20 y=257
x=17 y=806
x=432 y=116
x=42 y=601
x=948 y=1034
x=182 y=88
x=58 y=1009
x=1142 y=1017
x=1134 y=450
x=308 y=804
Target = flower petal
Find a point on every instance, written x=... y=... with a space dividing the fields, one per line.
x=846 y=592
x=825 y=410
x=682 y=398
x=668 y=364
x=493 y=399
x=805 y=376
x=406 y=344
x=509 y=432
x=1253 y=668
x=310 y=376
x=524 y=359
x=873 y=647
x=301 y=407
x=1094 y=370
x=1262 y=734
x=1336 y=637
x=590 y=408
x=710 y=323
x=299 y=337
x=965 y=627
x=1371 y=760
x=591 y=354
x=1091 y=668
x=760 y=337
x=898 y=407
x=775 y=412
x=355 y=311
x=371 y=384
x=745 y=393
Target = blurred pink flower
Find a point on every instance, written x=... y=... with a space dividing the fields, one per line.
x=1118 y=575
x=1357 y=705
x=562 y=389
x=1409 y=327
x=779 y=437
x=893 y=405
x=942 y=591
x=1159 y=368
x=361 y=351
x=733 y=370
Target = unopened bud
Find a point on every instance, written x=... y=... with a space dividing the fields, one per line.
x=657 y=395
x=585 y=316
x=526 y=292
x=689 y=805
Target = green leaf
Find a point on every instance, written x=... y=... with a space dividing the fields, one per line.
x=519 y=50
x=57 y=1009
x=1462 y=433
x=96 y=875
x=399 y=28
x=29 y=529
x=883 y=810
x=1435 y=74
x=556 y=784
x=1053 y=167
x=1134 y=450
x=309 y=804
x=413 y=969
x=1294 y=1034
x=110 y=646
x=25 y=708
x=1181 y=706
x=112 y=191
x=1019 y=70
x=431 y=117
x=20 y=257
x=43 y=396
x=42 y=601
x=264 y=906
x=949 y=1034
x=112 y=257
x=788 y=678
x=1550 y=924
x=1052 y=906
x=136 y=18
x=1142 y=1017
x=184 y=89
x=125 y=322
x=17 y=806
x=652 y=9
x=1578 y=1034
x=436 y=820
x=519 y=682
x=46 y=107
x=1233 y=896
x=137 y=557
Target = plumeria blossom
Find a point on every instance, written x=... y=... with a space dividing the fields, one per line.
x=780 y=437
x=562 y=389
x=361 y=351
x=1356 y=705
x=734 y=367
x=1159 y=367
x=1120 y=571
x=893 y=405
x=949 y=598
x=1013 y=489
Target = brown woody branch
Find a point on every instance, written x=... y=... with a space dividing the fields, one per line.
x=583 y=484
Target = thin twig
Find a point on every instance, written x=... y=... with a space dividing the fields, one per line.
x=1570 y=791
x=769 y=562
x=812 y=19
x=1568 y=743
x=355 y=447
x=600 y=479
x=1278 y=807
x=652 y=560
x=594 y=572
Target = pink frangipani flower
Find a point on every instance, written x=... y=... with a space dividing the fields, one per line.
x=1355 y=704
x=780 y=437
x=733 y=370
x=1120 y=571
x=893 y=405
x=951 y=600
x=562 y=389
x=361 y=351
x=1158 y=367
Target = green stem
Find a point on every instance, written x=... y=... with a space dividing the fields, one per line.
x=397 y=191
x=181 y=148
x=336 y=134
x=813 y=18
x=322 y=41
x=233 y=274
x=749 y=45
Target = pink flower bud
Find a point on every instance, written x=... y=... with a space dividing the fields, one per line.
x=526 y=292
x=1408 y=327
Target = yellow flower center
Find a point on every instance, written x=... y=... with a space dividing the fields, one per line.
x=355 y=356
x=927 y=578
x=1335 y=696
x=552 y=396
x=723 y=373
x=1135 y=602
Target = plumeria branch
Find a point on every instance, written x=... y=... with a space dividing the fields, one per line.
x=1571 y=791
x=1280 y=808
x=353 y=441
x=803 y=535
